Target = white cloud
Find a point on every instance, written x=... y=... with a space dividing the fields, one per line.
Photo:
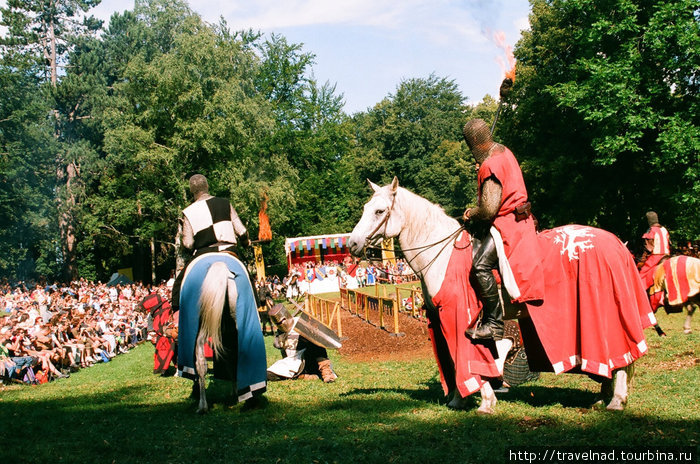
x=522 y=23
x=274 y=14
x=440 y=20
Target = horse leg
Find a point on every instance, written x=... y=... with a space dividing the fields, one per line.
x=456 y=400
x=620 y=381
x=201 y=364
x=690 y=308
x=194 y=395
x=488 y=399
x=606 y=394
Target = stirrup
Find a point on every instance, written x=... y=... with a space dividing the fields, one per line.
x=485 y=332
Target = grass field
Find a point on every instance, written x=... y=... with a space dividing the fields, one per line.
x=375 y=412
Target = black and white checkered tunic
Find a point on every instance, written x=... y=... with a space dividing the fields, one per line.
x=212 y=223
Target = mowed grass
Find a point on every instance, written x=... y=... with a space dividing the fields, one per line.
x=375 y=412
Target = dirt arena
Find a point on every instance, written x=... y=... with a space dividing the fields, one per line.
x=365 y=342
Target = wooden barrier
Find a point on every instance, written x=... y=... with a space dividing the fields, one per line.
x=416 y=301
x=344 y=298
x=326 y=311
x=380 y=311
x=398 y=279
x=383 y=311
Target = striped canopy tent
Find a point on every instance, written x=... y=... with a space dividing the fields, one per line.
x=316 y=249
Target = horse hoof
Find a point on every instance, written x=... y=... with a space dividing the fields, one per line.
x=457 y=404
x=687 y=331
x=202 y=411
x=616 y=405
x=598 y=405
x=485 y=410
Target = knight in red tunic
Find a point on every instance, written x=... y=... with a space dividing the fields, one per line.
x=509 y=241
x=164 y=333
x=657 y=245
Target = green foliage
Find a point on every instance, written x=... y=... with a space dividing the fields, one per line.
x=604 y=113
x=415 y=134
x=188 y=97
x=28 y=235
x=39 y=38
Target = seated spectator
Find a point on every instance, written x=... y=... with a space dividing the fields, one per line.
x=53 y=330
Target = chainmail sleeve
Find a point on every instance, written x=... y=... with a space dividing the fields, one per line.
x=489 y=202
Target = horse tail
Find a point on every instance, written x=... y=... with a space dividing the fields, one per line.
x=211 y=305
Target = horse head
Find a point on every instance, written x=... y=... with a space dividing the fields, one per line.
x=380 y=218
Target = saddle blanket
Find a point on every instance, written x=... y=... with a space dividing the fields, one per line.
x=455 y=308
x=676 y=281
x=595 y=308
x=593 y=316
x=251 y=361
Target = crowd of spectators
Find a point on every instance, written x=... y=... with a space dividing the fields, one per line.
x=351 y=274
x=49 y=331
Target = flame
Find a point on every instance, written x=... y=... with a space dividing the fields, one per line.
x=510 y=74
x=507 y=65
x=264 y=232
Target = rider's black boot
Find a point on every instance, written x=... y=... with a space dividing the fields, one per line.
x=491 y=325
x=485 y=261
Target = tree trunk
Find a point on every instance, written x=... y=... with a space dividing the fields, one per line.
x=66 y=204
x=153 y=261
x=179 y=259
x=52 y=60
x=64 y=172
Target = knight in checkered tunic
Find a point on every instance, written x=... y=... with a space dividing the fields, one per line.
x=209 y=224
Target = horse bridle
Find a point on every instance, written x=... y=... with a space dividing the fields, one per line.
x=383 y=222
x=423 y=248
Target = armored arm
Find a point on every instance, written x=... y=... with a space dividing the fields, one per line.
x=187 y=234
x=489 y=203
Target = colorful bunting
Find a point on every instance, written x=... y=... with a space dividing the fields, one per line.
x=306 y=247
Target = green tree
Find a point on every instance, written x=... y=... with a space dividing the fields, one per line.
x=43 y=32
x=28 y=236
x=604 y=114
x=182 y=110
x=415 y=134
x=313 y=134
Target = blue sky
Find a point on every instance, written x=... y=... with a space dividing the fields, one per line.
x=367 y=47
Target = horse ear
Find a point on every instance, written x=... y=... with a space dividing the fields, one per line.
x=394 y=184
x=374 y=186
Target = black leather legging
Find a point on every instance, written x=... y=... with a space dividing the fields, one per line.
x=484 y=262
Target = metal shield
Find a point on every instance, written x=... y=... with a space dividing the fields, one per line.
x=305 y=325
x=316 y=332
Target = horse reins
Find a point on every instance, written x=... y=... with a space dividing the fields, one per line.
x=422 y=248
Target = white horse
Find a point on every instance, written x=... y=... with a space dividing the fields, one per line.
x=427 y=237
x=212 y=283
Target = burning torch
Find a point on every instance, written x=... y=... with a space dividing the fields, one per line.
x=506 y=87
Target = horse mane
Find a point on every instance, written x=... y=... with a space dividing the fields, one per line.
x=431 y=217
